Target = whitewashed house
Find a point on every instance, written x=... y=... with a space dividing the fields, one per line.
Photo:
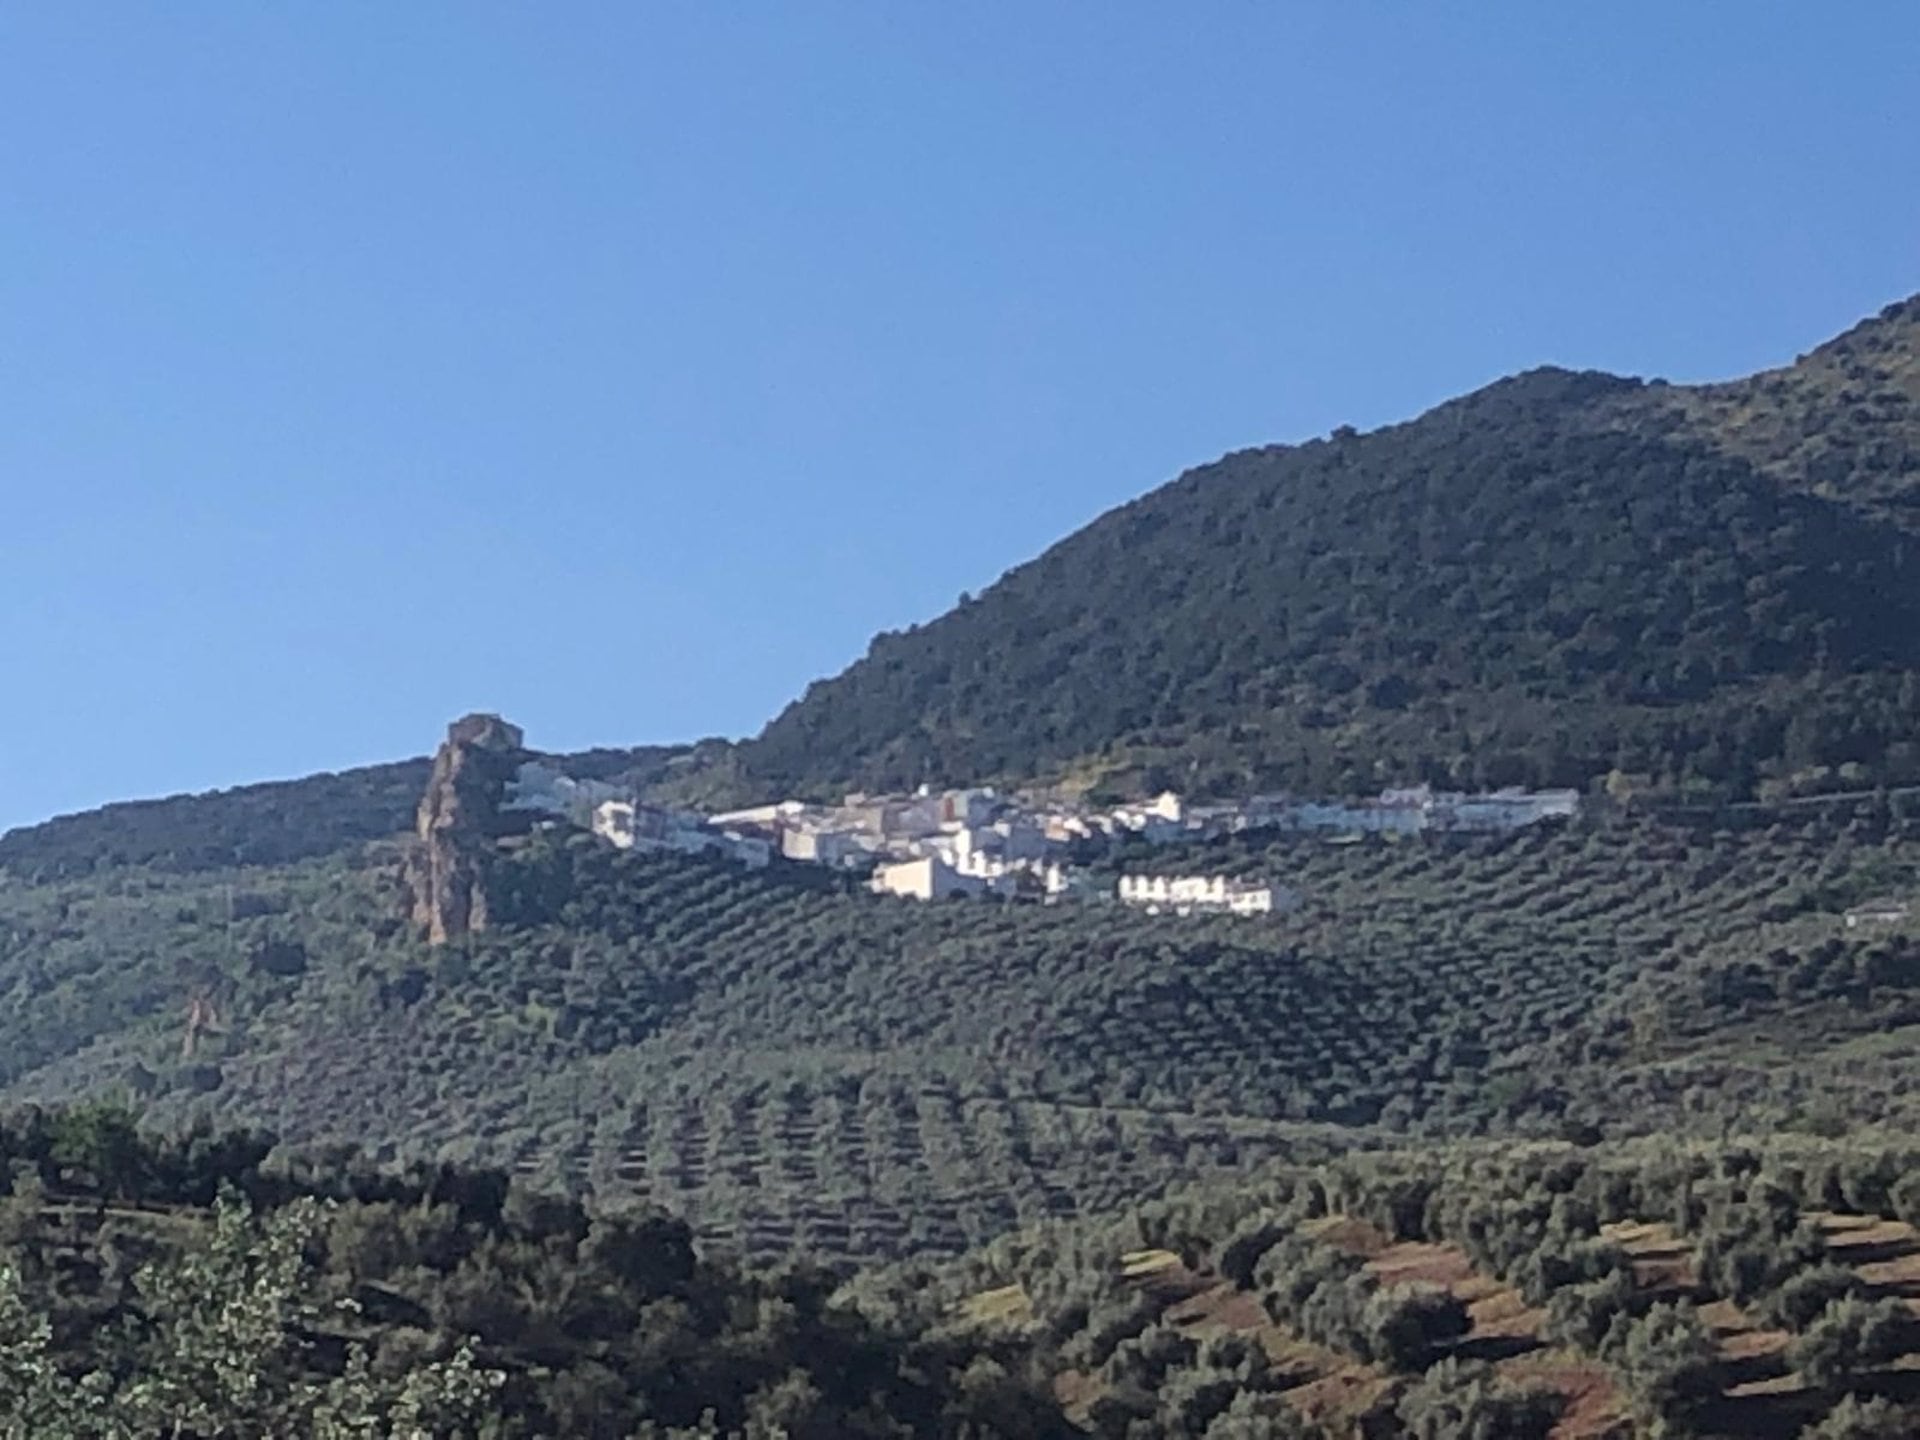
x=970 y=807
x=651 y=829
x=1161 y=820
x=1510 y=809
x=539 y=786
x=928 y=878
x=812 y=846
x=758 y=817
x=1185 y=894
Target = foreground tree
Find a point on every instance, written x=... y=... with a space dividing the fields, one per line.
x=221 y=1348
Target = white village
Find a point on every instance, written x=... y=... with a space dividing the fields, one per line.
x=978 y=842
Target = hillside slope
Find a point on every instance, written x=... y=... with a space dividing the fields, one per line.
x=1526 y=1292
x=1842 y=422
x=795 y=1066
x=1714 y=589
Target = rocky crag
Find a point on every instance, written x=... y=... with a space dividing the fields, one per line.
x=459 y=825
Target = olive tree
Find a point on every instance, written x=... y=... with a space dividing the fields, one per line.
x=1852 y=1337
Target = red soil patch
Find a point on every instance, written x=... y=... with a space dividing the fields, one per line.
x=1504 y=1315
x=1853 y=1232
x=1885 y=1253
x=1594 y=1406
x=1753 y=1344
x=1661 y=1259
x=1343 y=1232
x=1346 y=1391
x=1221 y=1308
x=1075 y=1391
x=1411 y=1262
x=1497 y=1311
x=1748 y=1350
x=1326 y=1383
x=1333 y=1387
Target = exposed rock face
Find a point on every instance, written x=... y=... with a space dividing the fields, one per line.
x=460 y=823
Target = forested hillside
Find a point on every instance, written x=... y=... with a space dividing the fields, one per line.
x=1710 y=591
x=1694 y=592
x=200 y=1289
x=1842 y=422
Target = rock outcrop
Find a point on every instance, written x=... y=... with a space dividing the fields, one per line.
x=459 y=825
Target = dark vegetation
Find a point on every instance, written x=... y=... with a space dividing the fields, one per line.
x=1559 y=579
x=200 y=1288
x=1842 y=422
x=271 y=824
x=214 y=1285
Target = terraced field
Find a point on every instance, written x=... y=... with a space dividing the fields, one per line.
x=1333 y=1389
x=1756 y=1318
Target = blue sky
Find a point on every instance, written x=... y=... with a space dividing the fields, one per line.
x=624 y=367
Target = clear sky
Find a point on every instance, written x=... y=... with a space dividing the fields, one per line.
x=623 y=367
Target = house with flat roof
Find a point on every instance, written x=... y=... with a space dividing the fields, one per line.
x=928 y=878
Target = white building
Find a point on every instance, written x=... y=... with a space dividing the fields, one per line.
x=818 y=846
x=1410 y=810
x=758 y=817
x=1063 y=829
x=970 y=807
x=540 y=786
x=1511 y=809
x=1365 y=817
x=1168 y=806
x=929 y=878
x=1057 y=882
x=1162 y=820
x=1184 y=894
x=895 y=821
x=650 y=829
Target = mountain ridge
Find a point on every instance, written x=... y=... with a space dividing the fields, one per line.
x=1809 y=599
